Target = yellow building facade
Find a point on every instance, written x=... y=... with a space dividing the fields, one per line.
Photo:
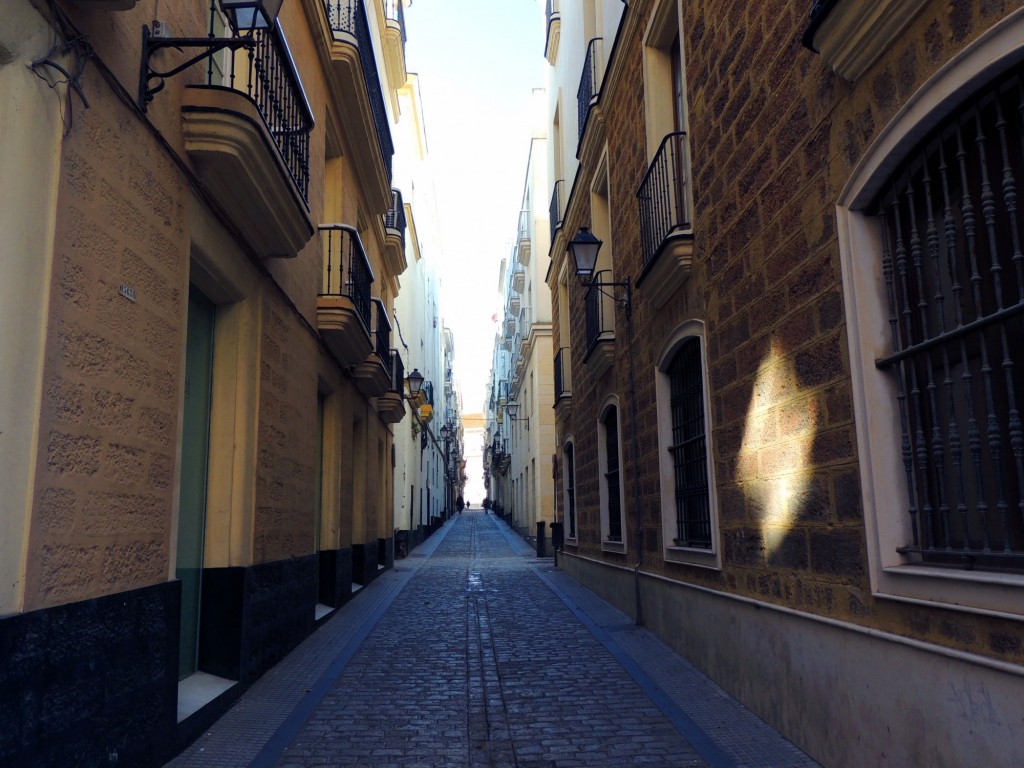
x=200 y=405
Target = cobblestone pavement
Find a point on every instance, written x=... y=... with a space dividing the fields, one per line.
x=474 y=652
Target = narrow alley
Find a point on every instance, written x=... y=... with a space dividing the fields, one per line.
x=475 y=652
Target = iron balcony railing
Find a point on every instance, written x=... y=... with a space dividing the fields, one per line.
x=349 y=17
x=555 y=208
x=586 y=95
x=551 y=12
x=382 y=335
x=395 y=217
x=347 y=270
x=663 y=198
x=523 y=231
x=394 y=11
x=397 y=372
x=266 y=73
x=599 y=311
x=563 y=374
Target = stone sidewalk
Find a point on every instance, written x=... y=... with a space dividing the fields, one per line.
x=474 y=652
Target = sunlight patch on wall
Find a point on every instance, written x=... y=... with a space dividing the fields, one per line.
x=777 y=439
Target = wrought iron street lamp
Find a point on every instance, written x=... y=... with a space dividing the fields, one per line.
x=584 y=249
x=250 y=15
x=415 y=383
x=512 y=407
x=244 y=17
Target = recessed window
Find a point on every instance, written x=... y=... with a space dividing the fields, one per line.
x=687 y=489
x=930 y=242
x=569 y=484
x=611 y=481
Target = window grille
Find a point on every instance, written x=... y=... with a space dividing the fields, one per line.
x=689 y=447
x=611 y=476
x=953 y=266
x=570 y=489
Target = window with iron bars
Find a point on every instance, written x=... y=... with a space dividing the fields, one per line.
x=570 y=489
x=953 y=266
x=689 y=447
x=611 y=474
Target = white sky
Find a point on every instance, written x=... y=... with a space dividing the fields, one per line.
x=478 y=61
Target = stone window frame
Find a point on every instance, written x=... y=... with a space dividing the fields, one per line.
x=704 y=558
x=883 y=484
x=602 y=464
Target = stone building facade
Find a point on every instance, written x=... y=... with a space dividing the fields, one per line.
x=783 y=449
x=198 y=410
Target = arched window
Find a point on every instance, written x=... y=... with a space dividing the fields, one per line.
x=689 y=525
x=933 y=276
x=610 y=480
x=569 y=484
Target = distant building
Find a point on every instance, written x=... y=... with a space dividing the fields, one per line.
x=520 y=401
x=787 y=397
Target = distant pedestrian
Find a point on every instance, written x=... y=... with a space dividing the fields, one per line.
x=460 y=504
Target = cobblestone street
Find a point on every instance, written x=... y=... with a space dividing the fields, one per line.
x=474 y=652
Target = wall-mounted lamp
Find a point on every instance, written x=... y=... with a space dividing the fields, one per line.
x=513 y=408
x=415 y=383
x=244 y=17
x=584 y=249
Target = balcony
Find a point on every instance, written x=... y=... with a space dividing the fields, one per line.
x=343 y=305
x=666 y=236
x=514 y=303
x=519 y=280
x=554 y=24
x=599 y=309
x=523 y=245
x=851 y=36
x=589 y=91
x=556 y=208
x=246 y=132
x=394 y=43
x=391 y=405
x=357 y=85
x=563 y=382
x=373 y=375
x=394 y=235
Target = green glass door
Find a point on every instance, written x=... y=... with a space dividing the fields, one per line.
x=195 y=442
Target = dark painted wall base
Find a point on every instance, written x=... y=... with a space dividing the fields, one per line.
x=364 y=562
x=252 y=617
x=92 y=683
x=95 y=683
x=386 y=552
x=335 y=585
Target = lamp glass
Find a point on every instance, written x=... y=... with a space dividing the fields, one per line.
x=584 y=248
x=249 y=15
x=512 y=408
x=415 y=382
x=444 y=432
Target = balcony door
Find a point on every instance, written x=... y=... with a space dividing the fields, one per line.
x=195 y=442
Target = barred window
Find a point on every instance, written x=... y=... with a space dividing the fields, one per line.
x=689 y=447
x=953 y=267
x=570 y=489
x=611 y=474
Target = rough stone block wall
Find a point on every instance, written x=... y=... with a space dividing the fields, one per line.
x=773 y=136
x=101 y=520
x=287 y=436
